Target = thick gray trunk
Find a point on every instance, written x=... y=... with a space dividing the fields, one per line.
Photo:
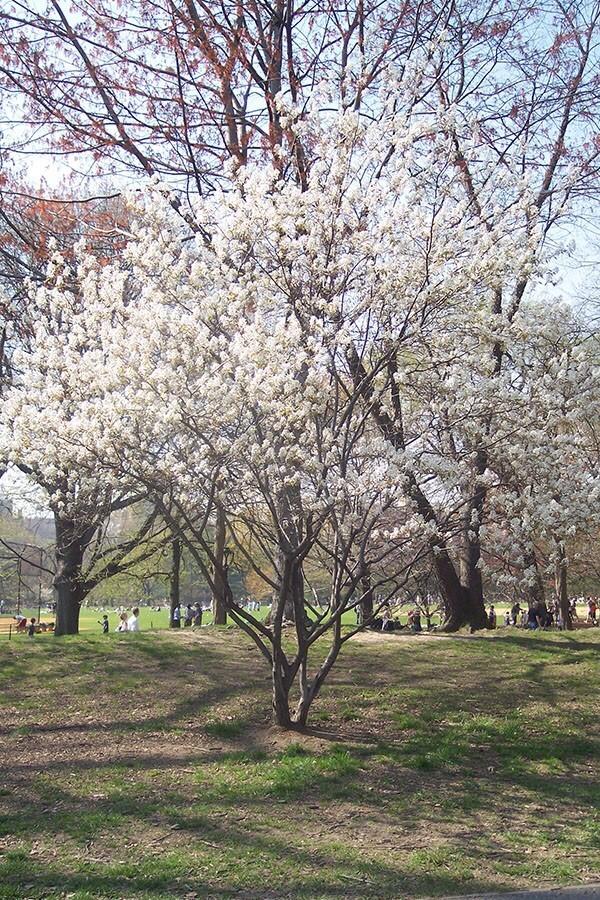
x=68 y=581
x=562 y=589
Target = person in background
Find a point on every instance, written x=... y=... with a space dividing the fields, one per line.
x=104 y=624
x=507 y=618
x=515 y=611
x=31 y=628
x=176 y=616
x=573 y=608
x=492 y=616
x=533 y=617
x=414 y=621
x=592 y=609
x=197 y=614
x=122 y=624
x=386 y=621
x=133 y=622
x=189 y=615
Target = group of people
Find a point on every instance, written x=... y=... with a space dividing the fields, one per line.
x=126 y=622
x=390 y=623
x=540 y=614
x=193 y=615
x=537 y=615
x=31 y=626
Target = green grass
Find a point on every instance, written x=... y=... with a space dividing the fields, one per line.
x=148 y=768
x=150 y=619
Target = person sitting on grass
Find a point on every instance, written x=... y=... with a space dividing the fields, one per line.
x=133 y=622
x=122 y=626
x=414 y=621
x=387 y=623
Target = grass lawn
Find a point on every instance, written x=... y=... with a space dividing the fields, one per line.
x=144 y=766
x=89 y=619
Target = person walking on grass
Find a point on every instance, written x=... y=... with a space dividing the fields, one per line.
x=31 y=628
x=197 y=614
x=104 y=624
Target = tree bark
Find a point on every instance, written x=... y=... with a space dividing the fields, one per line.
x=562 y=586
x=174 y=593
x=536 y=592
x=366 y=604
x=454 y=595
x=219 y=603
x=68 y=581
x=281 y=691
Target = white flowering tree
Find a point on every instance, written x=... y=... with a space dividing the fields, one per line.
x=544 y=468
x=39 y=417
x=275 y=374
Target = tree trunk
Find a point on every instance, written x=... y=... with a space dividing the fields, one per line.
x=562 y=586
x=70 y=550
x=366 y=604
x=174 y=594
x=471 y=549
x=536 y=592
x=281 y=691
x=454 y=595
x=219 y=602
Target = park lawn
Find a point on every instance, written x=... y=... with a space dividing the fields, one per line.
x=144 y=766
x=150 y=619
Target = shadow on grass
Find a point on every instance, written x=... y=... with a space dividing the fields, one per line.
x=261 y=863
x=440 y=729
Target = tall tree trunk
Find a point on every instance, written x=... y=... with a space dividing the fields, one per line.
x=70 y=550
x=219 y=602
x=471 y=549
x=535 y=592
x=367 y=602
x=454 y=596
x=562 y=585
x=174 y=592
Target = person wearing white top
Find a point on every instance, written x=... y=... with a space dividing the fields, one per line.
x=133 y=622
